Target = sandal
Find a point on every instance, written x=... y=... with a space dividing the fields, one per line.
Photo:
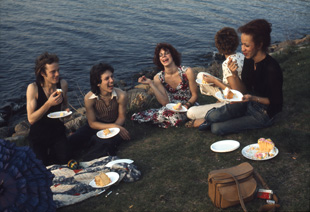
x=190 y=123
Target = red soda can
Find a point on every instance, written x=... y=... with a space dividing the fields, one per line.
x=264 y=194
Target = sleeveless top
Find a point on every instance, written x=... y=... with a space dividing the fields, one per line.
x=106 y=113
x=182 y=92
x=47 y=127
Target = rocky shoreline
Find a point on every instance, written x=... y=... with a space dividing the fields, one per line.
x=138 y=97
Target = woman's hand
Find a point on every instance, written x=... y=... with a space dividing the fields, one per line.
x=233 y=66
x=144 y=80
x=208 y=78
x=247 y=98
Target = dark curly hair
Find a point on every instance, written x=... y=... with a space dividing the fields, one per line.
x=226 y=41
x=260 y=30
x=40 y=65
x=174 y=53
x=95 y=76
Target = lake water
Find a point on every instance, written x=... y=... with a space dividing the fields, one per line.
x=122 y=33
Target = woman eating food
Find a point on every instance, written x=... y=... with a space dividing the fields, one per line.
x=173 y=84
x=262 y=78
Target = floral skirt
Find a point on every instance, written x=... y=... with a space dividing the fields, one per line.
x=162 y=117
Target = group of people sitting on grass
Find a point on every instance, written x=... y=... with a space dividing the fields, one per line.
x=254 y=73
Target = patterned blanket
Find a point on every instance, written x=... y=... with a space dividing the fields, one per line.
x=72 y=186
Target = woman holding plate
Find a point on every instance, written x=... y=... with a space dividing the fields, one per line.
x=174 y=84
x=262 y=78
x=226 y=41
x=105 y=109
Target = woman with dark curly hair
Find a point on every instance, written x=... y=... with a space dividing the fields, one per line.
x=226 y=41
x=174 y=84
x=262 y=78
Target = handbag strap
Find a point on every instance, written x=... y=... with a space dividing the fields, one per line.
x=238 y=189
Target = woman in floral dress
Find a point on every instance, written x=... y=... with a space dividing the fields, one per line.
x=173 y=84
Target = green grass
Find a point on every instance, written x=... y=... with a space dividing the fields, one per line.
x=175 y=162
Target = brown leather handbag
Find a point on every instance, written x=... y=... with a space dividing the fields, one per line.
x=236 y=185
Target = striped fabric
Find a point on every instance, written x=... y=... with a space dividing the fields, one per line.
x=106 y=113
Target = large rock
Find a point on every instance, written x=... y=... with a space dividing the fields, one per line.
x=76 y=123
x=138 y=98
x=214 y=69
x=19 y=140
x=22 y=128
x=4 y=132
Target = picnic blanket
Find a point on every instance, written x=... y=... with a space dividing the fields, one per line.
x=72 y=186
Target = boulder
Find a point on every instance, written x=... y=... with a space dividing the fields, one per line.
x=138 y=98
x=4 y=132
x=19 y=140
x=76 y=123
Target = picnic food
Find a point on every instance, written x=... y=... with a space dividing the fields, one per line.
x=58 y=91
x=102 y=179
x=204 y=82
x=265 y=148
x=106 y=131
x=177 y=106
x=228 y=94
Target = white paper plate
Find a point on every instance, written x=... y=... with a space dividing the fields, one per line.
x=199 y=81
x=114 y=176
x=225 y=146
x=114 y=132
x=170 y=107
x=111 y=163
x=59 y=114
x=237 y=96
x=250 y=150
x=211 y=76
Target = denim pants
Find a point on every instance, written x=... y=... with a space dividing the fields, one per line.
x=234 y=118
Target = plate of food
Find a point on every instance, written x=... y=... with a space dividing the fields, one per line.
x=111 y=163
x=264 y=149
x=108 y=133
x=229 y=95
x=176 y=107
x=202 y=82
x=225 y=146
x=59 y=114
x=104 y=179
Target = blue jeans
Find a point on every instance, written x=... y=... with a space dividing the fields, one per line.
x=234 y=118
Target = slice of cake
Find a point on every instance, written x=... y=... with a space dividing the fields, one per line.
x=177 y=106
x=102 y=179
x=106 y=131
x=228 y=94
x=265 y=148
x=203 y=79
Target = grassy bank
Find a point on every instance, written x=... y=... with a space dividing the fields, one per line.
x=175 y=162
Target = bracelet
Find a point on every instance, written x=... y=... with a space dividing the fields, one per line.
x=189 y=104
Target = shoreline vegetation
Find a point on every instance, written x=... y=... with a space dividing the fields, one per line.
x=175 y=162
